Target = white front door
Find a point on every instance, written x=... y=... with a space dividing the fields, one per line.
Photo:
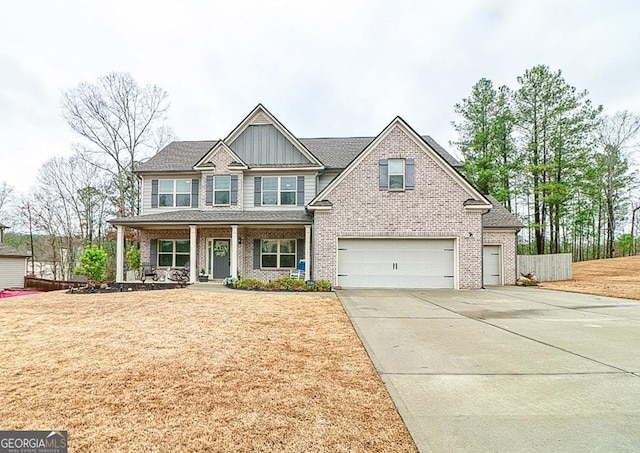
x=492 y=265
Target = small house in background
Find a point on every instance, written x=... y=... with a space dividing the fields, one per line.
x=13 y=264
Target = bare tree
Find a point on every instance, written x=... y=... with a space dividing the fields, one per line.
x=616 y=135
x=5 y=193
x=120 y=123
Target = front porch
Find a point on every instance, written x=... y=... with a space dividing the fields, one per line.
x=262 y=251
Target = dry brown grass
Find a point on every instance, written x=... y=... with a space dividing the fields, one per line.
x=183 y=370
x=615 y=277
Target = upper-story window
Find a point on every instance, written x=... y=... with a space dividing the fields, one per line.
x=396 y=174
x=174 y=193
x=222 y=190
x=279 y=190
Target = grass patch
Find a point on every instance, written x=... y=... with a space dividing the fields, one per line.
x=184 y=370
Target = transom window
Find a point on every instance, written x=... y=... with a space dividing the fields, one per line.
x=396 y=174
x=173 y=252
x=222 y=190
x=174 y=193
x=278 y=253
x=279 y=190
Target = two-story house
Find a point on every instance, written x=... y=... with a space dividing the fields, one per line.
x=387 y=211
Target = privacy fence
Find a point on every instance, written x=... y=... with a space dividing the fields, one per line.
x=548 y=268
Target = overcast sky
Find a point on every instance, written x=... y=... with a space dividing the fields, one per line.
x=322 y=67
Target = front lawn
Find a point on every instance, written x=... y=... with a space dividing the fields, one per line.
x=185 y=370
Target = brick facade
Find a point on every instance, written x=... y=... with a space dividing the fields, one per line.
x=507 y=240
x=434 y=209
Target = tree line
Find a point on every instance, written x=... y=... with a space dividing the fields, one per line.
x=555 y=160
x=119 y=123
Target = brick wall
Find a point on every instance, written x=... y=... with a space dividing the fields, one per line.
x=434 y=209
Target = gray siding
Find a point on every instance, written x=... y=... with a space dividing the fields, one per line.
x=264 y=144
x=325 y=179
x=12 y=272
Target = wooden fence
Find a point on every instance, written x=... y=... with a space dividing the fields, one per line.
x=42 y=284
x=548 y=268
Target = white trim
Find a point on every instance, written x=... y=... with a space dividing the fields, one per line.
x=233 y=250
x=193 y=250
x=201 y=164
x=283 y=169
x=119 y=253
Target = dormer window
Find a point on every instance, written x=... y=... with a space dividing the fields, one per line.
x=222 y=190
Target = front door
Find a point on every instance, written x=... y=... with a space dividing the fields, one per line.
x=219 y=258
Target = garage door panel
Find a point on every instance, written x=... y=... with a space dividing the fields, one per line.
x=396 y=263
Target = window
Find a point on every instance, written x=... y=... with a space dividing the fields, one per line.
x=279 y=190
x=278 y=253
x=173 y=253
x=222 y=190
x=174 y=193
x=396 y=174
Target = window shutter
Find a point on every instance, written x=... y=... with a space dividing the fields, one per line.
x=257 y=191
x=300 y=191
x=384 y=174
x=154 y=193
x=410 y=174
x=299 y=250
x=195 y=192
x=153 y=244
x=234 y=189
x=256 y=253
x=209 y=191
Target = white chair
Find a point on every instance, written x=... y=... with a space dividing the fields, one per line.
x=298 y=272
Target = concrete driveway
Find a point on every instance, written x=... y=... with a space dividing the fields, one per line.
x=506 y=369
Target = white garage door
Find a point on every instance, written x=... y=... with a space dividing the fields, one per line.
x=396 y=263
x=492 y=265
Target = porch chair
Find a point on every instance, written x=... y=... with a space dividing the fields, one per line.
x=298 y=272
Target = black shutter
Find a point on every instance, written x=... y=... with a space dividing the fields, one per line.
x=384 y=174
x=257 y=191
x=410 y=174
x=195 y=192
x=256 y=253
x=300 y=191
x=234 y=190
x=154 y=193
x=154 y=252
x=300 y=250
x=209 y=191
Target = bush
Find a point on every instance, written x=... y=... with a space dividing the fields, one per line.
x=282 y=284
x=250 y=283
x=133 y=258
x=92 y=263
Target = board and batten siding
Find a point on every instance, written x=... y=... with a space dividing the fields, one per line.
x=248 y=186
x=547 y=268
x=12 y=271
x=264 y=145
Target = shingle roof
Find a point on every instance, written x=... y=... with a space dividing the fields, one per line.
x=178 y=156
x=333 y=152
x=7 y=250
x=338 y=152
x=499 y=216
x=196 y=216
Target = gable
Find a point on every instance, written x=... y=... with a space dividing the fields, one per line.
x=221 y=157
x=397 y=138
x=261 y=140
x=264 y=145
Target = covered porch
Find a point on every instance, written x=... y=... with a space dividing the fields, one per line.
x=255 y=248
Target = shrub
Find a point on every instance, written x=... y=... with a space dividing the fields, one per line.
x=133 y=258
x=250 y=283
x=323 y=285
x=92 y=263
x=288 y=284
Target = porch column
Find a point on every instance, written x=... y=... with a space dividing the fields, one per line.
x=119 y=253
x=233 y=250
x=307 y=252
x=193 y=253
